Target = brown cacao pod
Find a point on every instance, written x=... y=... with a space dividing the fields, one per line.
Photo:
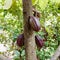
x=20 y=40
x=34 y=23
x=39 y=41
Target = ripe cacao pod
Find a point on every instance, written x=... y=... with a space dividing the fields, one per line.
x=34 y=23
x=39 y=41
x=20 y=40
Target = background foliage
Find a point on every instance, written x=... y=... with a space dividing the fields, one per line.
x=11 y=25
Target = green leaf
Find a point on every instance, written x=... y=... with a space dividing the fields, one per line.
x=43 y=4
x=34 y=2
x=7 y=4
x=57 y=1
x=17 y=53
x=23 y=53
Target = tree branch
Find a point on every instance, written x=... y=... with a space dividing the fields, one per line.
x=56 y=54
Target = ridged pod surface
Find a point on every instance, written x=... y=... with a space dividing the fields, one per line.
x=39 y=41
x=20 y=40
x=34 y=23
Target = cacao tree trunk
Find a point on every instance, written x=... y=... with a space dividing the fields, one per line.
x=29 y=41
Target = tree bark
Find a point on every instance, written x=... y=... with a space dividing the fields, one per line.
x=29 y=41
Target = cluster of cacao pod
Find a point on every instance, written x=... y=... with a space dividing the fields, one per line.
x=33 y=22
x=39 y=41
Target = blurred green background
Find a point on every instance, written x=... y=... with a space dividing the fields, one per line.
x=11 y=25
